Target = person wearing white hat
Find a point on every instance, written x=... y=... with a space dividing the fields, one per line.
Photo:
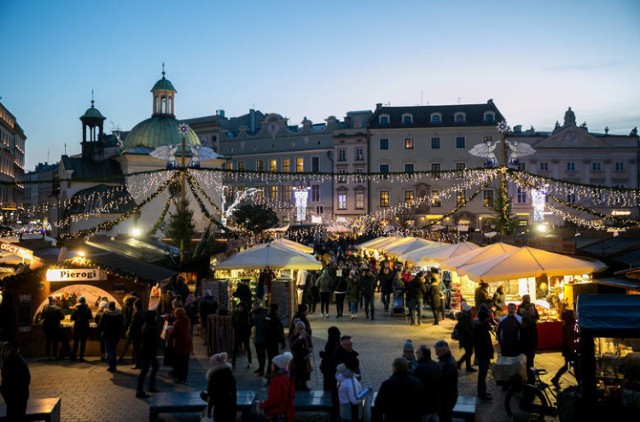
x=279 y=404
x=221 y=389
x=464 y=333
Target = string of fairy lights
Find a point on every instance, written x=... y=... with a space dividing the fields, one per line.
x=142 y=187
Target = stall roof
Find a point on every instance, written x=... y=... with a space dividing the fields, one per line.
x=609 y=315
x=624 y=283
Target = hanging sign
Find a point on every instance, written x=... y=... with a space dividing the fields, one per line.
x=76 y=274
x=16 y=250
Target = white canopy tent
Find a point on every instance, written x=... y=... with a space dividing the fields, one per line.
x=292 y=245
x=429 y=256
x=272 y=255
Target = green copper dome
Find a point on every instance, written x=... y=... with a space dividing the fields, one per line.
x=92 y=113
x=163 y=84
x=157 y=131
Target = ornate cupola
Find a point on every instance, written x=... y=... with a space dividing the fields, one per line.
x=92 y=132
x=163 y=97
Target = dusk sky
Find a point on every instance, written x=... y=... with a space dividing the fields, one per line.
x=315 y=59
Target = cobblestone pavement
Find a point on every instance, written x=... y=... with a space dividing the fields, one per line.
x=90 y=393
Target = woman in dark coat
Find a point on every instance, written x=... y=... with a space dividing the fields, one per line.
x=333 y=342
x=182 y=344
x=300 y=346
x=221 y=388
x=465 y=336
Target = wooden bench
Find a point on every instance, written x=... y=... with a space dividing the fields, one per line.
x=38 y=410
x=313 y=401
x=190 y=401
x=466 y=408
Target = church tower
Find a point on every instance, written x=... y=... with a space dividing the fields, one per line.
x=92 y=133
x=163 y=97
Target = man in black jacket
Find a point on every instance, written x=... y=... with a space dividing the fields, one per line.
x=51 y=317
x=415 y=296
x=111 y=328
x=148 y=354
x=15 y=381
x=400 y=397
x=429 y=373
x=483 y=348
x=449 y=388
x=81 y=316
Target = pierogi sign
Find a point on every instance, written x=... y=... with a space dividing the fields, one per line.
x=76 y=274
x=16 y=250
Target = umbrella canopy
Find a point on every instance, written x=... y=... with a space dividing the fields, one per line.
x=382 y=240
x=272 y=255
x=529 y=262
x=293 y=245
x=477 y=255
x=429 y=256
x=409 y=245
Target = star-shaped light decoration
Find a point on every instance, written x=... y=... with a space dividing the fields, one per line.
x=503 y=127
x=183 y=129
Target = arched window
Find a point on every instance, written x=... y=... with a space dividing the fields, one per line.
x=407 y=119
x=459 y=118
x=489 y=117
x=384 y=120
x=436 y=118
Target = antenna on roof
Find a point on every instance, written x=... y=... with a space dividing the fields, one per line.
x=421 y=97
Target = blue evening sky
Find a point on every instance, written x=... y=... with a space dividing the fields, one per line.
x=315 y=59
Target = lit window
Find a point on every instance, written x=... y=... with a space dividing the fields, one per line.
x=359 y=154
x=408 y=143
x=460 y=142
x=241 y=165
x=436 y=201
x=360 y=199
x=273 y=166
x=260 y=196
x=384 y=199
x=286 y=165
x=342 y=200
x=286 y=193
x=299 y=165
x=409 y=197
x=435 y=143
x=487 y=198
x=259 y=165
x=460 y=198
x=273 y=193
x=384 y=143
x=228 y=165
x=342 y=154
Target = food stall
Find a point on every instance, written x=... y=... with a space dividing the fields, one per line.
x=609 y=355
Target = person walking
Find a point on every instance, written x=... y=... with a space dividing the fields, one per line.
x=241 y=333
x=449 y=386
x=415 y=291
x=368 y=286
x=464 y=327
x=340 y=293
x=111 y=328
x=430 y=374
x=400 y=397
x=409 y=354
x=81 y=316
x=275 y=334
x=15 y=381
x=499 y=301
x=102 y=308
x=182 y=344
x=148 y=353
x=509 y=332
x=435 y=298
x=353 y=293
x=259 y=330
x=221 y=389
x=51 y=316
x=385 y=279
x=300 y=346
x=301 y=314
x=134 y=332
x=324 y=283
x=332 y=344
x=529 y=338
x=483 y=348
x=279 y=405
x=570 y=346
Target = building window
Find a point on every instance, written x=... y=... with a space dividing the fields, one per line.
x=489 y=117
x=259 y=165
x=522 y=166
x=619 y=166
x=436 y=118
x=596 y=166
x=241 y=165
x=435 y=170
x=544 y=166
x=436 y=201
x=342 y=154
x=571 y=166
x=384 y=120
x=409 y=197
x=408 y=143
x=460 y=198
x=342 y=178
x=384 y=143
x=273 y=193
x=273 y=166
x=459 y=118
x=286 y=165
x=342 y=200
x=360 y=199
x=315 y=193
x=460 y=143
x=227 y=166
x=359 y=154
x=571 y=198
x=460 y=167
x=319 y=210
x=384 y=199
x=299 y=165
x=408 y=168
x=384 y=170
x=487 y=198
x=286 y=193
x=521 y=196
x=315 y=164
x=435 y=143
x=407 y=119
x=260 y=195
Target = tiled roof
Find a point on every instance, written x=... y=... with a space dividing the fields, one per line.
x=474 y=115
x=105 y=170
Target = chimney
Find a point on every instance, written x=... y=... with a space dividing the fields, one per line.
x=378 y=106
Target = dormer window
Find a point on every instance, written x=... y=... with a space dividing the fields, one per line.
x=459 y=118
x=384 y=120
x=489 y=117
x=407 y=119
x=436 y=118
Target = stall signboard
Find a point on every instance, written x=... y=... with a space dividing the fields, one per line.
x=76 y=274
x=16 y=250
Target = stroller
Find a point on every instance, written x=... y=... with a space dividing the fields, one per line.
x=397 y=304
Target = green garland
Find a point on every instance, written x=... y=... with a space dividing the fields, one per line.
x=160 y=219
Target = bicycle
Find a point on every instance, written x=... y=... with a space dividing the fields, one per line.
x=537 y=399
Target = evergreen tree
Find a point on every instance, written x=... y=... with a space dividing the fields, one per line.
x=504 y=222
x=180 y=227
x=255 y=218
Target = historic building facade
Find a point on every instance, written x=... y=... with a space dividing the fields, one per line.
x=12 y=141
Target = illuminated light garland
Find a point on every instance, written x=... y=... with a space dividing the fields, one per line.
x=203 y=208
x=593 y=224
x=161 y=218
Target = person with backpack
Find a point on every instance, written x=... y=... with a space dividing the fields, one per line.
x=508 y=332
